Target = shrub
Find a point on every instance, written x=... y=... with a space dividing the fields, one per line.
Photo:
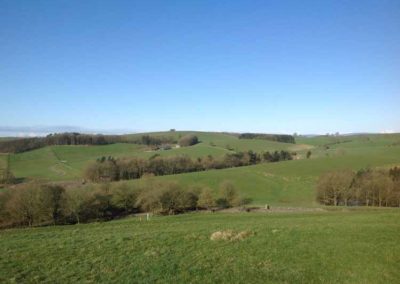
x=206 y=199
x=166 y=198
x=228 y=194
x=188 y=140
x=6 y=177
x=124 y=198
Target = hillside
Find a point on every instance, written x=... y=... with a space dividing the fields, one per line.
x=288 y=183
x=322 y=247
x=57 y=163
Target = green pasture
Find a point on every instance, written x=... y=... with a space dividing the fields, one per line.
x=351 y=246
x=288 y=183
x=67 y=162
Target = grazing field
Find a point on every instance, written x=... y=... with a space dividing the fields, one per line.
x=288 y=183
x=222 y=140
x=308 y=243
x=357 y=246
x=59 y=163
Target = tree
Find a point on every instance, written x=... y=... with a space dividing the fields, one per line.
x=308 y=155
x=124 y=197
x=379 y=185
x=206 y=198
x=396 y=193
x=334 y=187
x=344 y=182
x=103 y=170
x=228 y=193
x=76 y=199
x=52 y=203
x=23 y=205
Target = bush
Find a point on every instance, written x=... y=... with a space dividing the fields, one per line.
x=6 y=177
x=166 y=198
x=124 y=198
x=228 y=192
x=188 y=140
x=206 y=199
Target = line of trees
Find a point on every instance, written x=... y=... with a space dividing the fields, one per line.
x=151 y=140
x=272 y=137
x=41 y=204
x=27 y=144
x=366 y=187
x=110 y=169
x=74 y=138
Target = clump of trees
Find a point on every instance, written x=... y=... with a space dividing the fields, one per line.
x=74 y=138
x=366 y=187
x=188 y=140
x=155 y=140
x=36 y=204
x=272 y=137
x=110 y=169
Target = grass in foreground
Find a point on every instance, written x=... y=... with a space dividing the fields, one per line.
x=327 y=247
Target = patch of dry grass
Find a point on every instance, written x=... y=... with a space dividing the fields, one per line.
x=229 y=235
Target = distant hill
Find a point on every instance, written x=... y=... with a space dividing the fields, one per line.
x=288 y=182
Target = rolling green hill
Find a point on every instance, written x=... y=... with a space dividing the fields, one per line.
x=67 y=162
x=289 y=183
x=307 y=243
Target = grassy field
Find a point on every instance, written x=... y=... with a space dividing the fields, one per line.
x=222 y=140
x=67 y=162
x=325 y=247
x=289 y=183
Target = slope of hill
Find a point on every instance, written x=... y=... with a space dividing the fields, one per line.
x=67 y=162
x=322 y=247
x=288 y=183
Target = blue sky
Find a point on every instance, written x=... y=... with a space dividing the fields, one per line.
x=262 y=66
